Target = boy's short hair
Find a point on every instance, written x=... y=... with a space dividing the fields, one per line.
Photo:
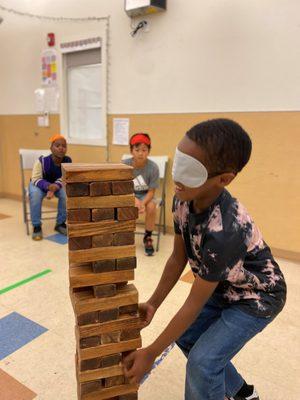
x=139 y=138
x=226 y=144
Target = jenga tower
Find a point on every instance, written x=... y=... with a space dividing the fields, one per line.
x=101 y=224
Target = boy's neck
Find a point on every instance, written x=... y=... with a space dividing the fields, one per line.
x=139 y=164
x=202 y=204
x=56 y=160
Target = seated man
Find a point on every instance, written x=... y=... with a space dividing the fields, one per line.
x=146 y=174
x=46 y=182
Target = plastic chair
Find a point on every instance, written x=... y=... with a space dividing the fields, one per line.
x=162 y=163
x=27 y=159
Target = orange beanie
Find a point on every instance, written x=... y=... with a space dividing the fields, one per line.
x=56 y=137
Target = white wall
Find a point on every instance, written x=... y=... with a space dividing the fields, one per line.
x=213 y=55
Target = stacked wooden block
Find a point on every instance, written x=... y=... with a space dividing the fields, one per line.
x=101 y=218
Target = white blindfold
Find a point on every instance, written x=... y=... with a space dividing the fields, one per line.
x=188 y=171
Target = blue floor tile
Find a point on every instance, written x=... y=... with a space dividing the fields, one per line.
x=16 y=331
x=58 y=238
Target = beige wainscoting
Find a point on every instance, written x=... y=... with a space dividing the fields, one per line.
x=269 y=186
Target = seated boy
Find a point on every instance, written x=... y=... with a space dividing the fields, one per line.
x=46 y=182
x=146 y=174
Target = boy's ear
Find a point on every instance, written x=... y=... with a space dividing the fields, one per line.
x=226 y=178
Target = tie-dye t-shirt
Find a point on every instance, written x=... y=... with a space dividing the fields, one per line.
x=223 y=244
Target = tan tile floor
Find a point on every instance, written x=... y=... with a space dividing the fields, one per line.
x=46 y=365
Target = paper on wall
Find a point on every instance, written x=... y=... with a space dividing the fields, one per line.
x=121 y=131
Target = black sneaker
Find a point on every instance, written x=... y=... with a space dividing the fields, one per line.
x=148 y=243
x=37 y=233
x=253 y=396
x=61 y=228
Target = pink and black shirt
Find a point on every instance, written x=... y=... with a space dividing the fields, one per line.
x=223 y=244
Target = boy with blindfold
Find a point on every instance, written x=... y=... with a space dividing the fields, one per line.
x=238 y=288
x=46 y=182
x=146 y=180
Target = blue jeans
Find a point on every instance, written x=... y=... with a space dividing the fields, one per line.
x=36 y=196
x=209 y=344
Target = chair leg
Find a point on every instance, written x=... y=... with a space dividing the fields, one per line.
x=158 y=239
x=27 y=226
x=164 y=211
x=25 y=213
x=159 y=228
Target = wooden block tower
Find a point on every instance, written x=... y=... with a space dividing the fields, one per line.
x=101 y=218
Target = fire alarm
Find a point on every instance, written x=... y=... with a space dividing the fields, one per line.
x=51 y=39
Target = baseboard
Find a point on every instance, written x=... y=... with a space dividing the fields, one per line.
x=11 y=196
x=286 y=254
x=18 y=197
x=280 y=253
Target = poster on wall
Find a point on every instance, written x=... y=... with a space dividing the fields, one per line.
x=121 y=131
x=47 y=100
x=49 y=67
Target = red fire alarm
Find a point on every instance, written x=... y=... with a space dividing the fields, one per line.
x=51 y=39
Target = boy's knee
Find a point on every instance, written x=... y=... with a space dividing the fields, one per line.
x=35 y=193
x=201 y=364
x=61 y=193
x=151 y=207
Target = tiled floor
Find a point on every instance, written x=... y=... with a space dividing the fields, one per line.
x=45 y=365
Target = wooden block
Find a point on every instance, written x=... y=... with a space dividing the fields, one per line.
x=104 y=266
x=111 y=337
x=131 y=309
x=101 y=227
x=90 y=342
x=121 y=285
x=124 y=321
x=125 y=263
x=82 y=264
x=80 y=243
x=101 y=253
x=88 y=318
x=109 y=393
x=127 y=213
x=108 y=315
x=124 y=200
x=84 y=276
x=89 y=387
x=105 y=290
x=110 y=348
x=109 y=361
x=77 y=189
x=82 y=215
x=80 y=172
x=129 y=334
x=114 y=381
x=93 y=363
x=100 y=188
x=123 y=238
x=100 y=214
x=103 y=240
x=85 y=302
x=122 y=187
x=130 y=396
x=93 y=374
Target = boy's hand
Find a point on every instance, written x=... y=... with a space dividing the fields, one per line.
x=140 y=205
x=137 y=364
x=147 y=312
x=142 y=208
x=53 y=187
x=49 y=194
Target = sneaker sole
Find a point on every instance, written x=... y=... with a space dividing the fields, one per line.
x=149 y=254
x=37 y=239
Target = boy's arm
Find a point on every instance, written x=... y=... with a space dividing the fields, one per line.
x=149 y=196
x=37 y=177
x=172 y=272
x=138 y=363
